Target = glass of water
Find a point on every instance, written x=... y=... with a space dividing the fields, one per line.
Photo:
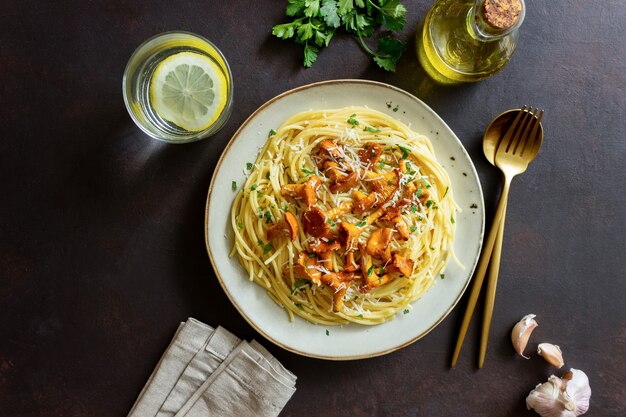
x=178 y=88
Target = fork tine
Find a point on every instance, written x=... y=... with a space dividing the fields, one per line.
x=506 y=140
x=526 y=131
x=533 y=143
x=518 y=133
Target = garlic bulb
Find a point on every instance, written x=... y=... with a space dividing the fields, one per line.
x=551 y=353
x=521 y=333
x=561 y=397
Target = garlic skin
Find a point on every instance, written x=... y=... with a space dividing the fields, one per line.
x=551 y=353
x=561 y=397
x=521 y=333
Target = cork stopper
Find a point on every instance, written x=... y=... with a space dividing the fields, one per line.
x=501 y=14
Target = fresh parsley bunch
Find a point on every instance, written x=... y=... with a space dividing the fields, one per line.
x=315 y=23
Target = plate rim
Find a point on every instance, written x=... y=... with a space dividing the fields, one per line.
x=208 y=202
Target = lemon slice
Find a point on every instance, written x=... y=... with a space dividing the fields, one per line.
x=189 y=90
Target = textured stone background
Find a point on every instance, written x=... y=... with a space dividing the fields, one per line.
x=101 y=228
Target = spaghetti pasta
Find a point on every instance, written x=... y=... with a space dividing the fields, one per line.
x=346 y=216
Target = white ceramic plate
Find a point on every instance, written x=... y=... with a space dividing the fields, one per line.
x=351 y=341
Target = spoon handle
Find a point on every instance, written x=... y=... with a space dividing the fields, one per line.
x=481 y=269
x=490 y=297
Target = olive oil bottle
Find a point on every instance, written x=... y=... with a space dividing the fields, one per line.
x=469 y=40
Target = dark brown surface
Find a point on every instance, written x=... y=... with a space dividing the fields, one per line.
x=101 y=228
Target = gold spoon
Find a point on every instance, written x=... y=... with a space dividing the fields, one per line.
x=491 y=139
x=512 y=151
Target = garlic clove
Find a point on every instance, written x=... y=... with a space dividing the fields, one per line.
x=521 y=333
x=561 y=397
x=551 y=353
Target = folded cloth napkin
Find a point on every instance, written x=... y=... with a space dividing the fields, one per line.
x=211 y=372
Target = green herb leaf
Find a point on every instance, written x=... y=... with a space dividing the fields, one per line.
x=442 y=276
x=240 y=225
x=405 y=151
x=286 y=30
x=249 y=166
x=233 y=185
x=312 y=8
x=295 y=7
x=306 y=171
x=311 y=255
x=254 y=187
x=267 y=248
x=446 y=193
x=356 y=297
x=299 y=306
x=353 y=121
x=371 y=129
x=310 y=55
x=413 y=229
x=361 y=223
x=452 y=219
x=406 y=311
x=345 y=6
x=413 y=208
x=370 y=270
x=327 y=332
x=328 y=11
x=332 y=223
x=272 y=132
x=429 y=203
x=268 y=217
x=419 y=191
x=299 y=284
x=360 y=316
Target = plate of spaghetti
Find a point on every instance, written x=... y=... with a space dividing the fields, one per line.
x=344 y=219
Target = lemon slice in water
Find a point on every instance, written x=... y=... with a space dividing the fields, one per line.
x=189 y=90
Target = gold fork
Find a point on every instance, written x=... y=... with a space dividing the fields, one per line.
x=518 y=148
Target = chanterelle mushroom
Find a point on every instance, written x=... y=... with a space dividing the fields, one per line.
x=371 y=152
x=305 y=191
x=328 y=149
x=349 y=236
x=378 y=243
x=363 y=202
x=315 y=223
x=305 y=268
x=288 y=227
x=402 y=264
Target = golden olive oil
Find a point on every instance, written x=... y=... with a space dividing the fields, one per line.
x=458 y=44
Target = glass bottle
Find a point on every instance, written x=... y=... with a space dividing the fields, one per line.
x=469 y=40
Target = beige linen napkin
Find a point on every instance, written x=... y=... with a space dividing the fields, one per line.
x=207 y=372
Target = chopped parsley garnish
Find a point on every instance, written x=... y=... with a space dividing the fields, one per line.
x=452 y=219
x=272 y=132
x=360 y=316
x=413 y=229
x=413 y=208
x=311 y=255
x=353 y=121
x=370 y=271
x=426 y=184
x=429 y=203
x=260 y=242
x=380 y=280
x=299 y=284
x=240 y=225
x=306 y=171
x=381 y=271
x=444 y=194
x=382 y=164
x=405 y=151
x=285 y=208
x=371 y=129
x=267 y=176
x=406 y=311
x=260 y=194
x=442 y=276
x=332 y=223
x=327 y=332
x=356 y=297
x=249 y=166
x=299 y=306
x=233 y=185
x=253 y=187
x=395 y=109
x=268 y=217
x=419 y=191
x=267 y=248
x=361 y=223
